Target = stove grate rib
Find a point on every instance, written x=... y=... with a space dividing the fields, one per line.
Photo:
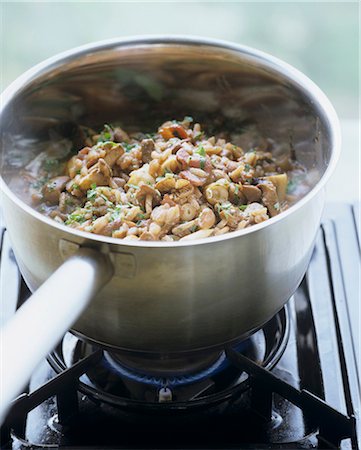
x=333 y=425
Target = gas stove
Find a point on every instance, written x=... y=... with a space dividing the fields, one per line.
x=293 y=384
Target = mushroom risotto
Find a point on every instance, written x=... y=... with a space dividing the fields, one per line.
x=175 y=184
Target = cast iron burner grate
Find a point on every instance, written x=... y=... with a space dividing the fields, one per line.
x=300 y=391
x=118 y=384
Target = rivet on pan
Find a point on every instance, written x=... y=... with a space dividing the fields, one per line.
x=67 y=248
x=125 y=264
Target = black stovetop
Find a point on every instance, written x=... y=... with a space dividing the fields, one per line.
x=308 y=396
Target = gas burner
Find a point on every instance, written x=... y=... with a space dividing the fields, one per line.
x=115 y=364
x=132 y=380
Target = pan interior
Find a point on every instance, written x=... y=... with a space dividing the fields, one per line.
x=140 y=86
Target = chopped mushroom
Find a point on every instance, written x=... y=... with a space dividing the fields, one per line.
x=113 y=153
x=206 y=219
x=141 y=176
x=270 y=198
x=188 y=211
x=200 y=234
x=236 y=194
x=120 y=135
x=252 y=193
x=165 y=186
x=185 y=228
x=146 y=147
x=173 y=130
x=148 y=197
x=280 y=181
x=256 y=213
x=166 y=216
x=99 y=175
x=217 y=192
x=52 y=189
x=194 y=179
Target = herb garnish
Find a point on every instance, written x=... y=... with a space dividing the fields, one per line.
x=201 y=151
x=39 y=183
x=106 y=134
x=133 y=186
x=75 y=217
x=128 y=147
x=51 y=165
x=91 y=193
x=115 y=213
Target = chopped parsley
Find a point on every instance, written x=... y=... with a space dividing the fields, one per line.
x=242 y=207
x=226 y=205
x=133 y=186
x=201 y=151
x=193 y=228
x=115 y=213
x=223 y=207
x=74 y=186
x=91 y=193
x=50 y=165
x=75 y=217
x=39 y=183
x=106 y=134
x=235 y=194
x=247 y=167
x=128 y=147
x=106 y=143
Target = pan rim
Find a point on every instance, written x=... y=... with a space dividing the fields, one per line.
x=298 y=80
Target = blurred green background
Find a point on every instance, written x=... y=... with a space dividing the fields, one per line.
x=319 y=38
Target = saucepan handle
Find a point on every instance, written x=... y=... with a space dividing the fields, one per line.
x=43 y=319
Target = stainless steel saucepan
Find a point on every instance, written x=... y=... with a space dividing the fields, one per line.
x=157 y=301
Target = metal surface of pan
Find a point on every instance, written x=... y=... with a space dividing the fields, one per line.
x=156 y=297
